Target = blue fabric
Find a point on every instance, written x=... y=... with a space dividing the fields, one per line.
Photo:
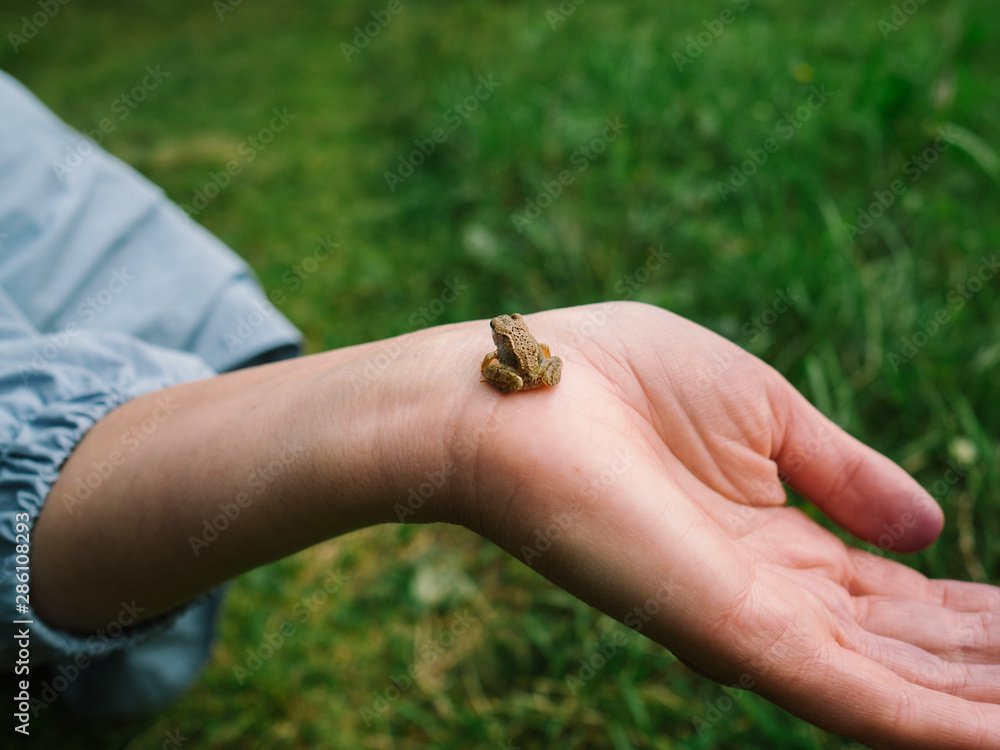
x=107 y=291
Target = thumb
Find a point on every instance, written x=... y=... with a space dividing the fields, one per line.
x=858 y=488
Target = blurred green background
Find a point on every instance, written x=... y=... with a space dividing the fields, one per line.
x=705 y=92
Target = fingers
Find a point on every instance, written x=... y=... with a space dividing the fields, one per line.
x=877 y=690
x=850 y=693
x=857 y=487
x=880 y=689
x=955 y=620
x=973 y=682
x=967 y=637
x=870 y=575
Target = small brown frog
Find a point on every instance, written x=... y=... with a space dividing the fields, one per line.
x=519 y=361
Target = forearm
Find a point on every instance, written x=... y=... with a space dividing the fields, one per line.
x=200 y=482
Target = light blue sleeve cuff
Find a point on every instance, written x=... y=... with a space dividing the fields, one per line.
x=49 y=399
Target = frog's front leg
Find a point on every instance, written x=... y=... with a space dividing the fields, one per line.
x=504 y=379
x=494 y=355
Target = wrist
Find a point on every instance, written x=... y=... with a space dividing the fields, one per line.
x=408 y=403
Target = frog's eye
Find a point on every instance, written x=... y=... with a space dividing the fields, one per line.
x=492 y=326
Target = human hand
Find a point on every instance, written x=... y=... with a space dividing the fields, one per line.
x=653 y=473
x=647 y=483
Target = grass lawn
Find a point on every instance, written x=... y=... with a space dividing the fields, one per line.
x=844 y=155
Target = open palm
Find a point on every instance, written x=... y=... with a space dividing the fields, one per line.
x=649 y=483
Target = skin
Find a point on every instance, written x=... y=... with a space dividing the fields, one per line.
x=664 y=481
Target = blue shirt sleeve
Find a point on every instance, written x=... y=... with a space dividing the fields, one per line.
x=88 y=242
x=53 y=389
x=107 y=291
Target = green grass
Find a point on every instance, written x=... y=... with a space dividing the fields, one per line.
x=504 y=679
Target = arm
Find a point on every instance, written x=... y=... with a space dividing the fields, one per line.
x=212 y=478
x=652 y=473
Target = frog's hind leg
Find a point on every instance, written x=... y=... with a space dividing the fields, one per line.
x=550 y=371
x=502 y=378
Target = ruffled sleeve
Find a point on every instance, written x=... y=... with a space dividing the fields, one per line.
x=53 y=389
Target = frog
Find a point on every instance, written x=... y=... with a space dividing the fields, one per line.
x=519 y=362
